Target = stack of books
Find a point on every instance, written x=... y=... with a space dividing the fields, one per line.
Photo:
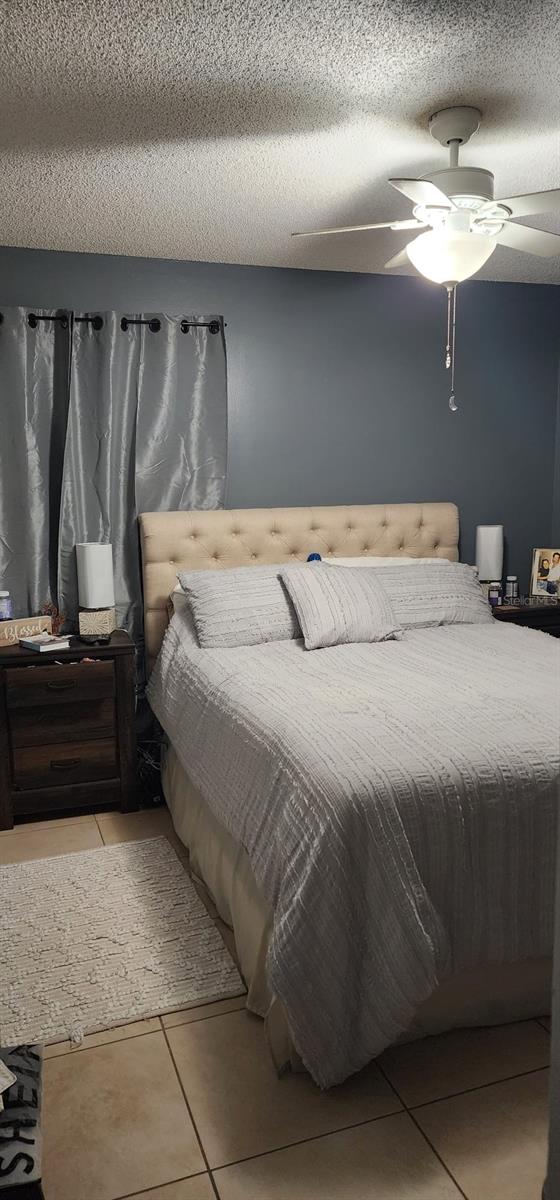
x=42 y=642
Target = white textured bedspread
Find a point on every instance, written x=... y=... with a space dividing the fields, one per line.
x=397 y=802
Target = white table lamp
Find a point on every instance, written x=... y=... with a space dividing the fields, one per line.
x=489 y=552
x=96 y=589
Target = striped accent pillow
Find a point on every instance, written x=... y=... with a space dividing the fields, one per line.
x=240 y=607
x=446 y=593
x=337 y=606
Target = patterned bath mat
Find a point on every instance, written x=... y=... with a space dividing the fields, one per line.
x=103 y=937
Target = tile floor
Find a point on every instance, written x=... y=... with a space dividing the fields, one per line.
x=188 y=1107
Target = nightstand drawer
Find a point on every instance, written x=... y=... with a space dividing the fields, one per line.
x=71 y=762
x=65 y=722
x=28 y=686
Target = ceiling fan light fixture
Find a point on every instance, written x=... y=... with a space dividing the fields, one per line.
x=446 y=256
x=470 y=203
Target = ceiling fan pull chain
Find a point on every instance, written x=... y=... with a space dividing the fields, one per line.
x=448 y=344
x=450 y=348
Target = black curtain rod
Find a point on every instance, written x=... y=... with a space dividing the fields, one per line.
x=34 y=318
x=96 y=320
x=213 y=326
x=153 y=323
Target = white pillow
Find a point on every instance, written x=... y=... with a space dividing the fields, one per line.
x=372 y=560
x=243 y=606
x=337 y=607
x=442 y=593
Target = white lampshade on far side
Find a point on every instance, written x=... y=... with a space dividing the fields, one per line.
x=489 y=552
x=95 y=575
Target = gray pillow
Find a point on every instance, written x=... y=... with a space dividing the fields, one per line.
x=446 y=593
x=240 y=607
x=336 y=605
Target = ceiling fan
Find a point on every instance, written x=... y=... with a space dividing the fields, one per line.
x=463 y=221
x=457 y=206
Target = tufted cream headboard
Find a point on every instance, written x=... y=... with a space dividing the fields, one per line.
x=180 y=541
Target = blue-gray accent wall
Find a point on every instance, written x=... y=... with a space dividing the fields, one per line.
x=337 y=389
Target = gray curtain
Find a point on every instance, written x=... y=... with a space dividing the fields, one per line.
x=147 y=431
x=33 y=409
x=97 y=426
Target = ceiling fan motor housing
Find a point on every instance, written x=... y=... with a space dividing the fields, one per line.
x=464 y=182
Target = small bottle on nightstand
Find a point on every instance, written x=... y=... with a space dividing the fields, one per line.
x=5 y=606
x=512 y=589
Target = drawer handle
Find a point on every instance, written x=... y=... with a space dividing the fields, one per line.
x=64 y=764
x=61 y=685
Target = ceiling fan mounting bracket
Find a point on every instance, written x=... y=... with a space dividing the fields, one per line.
x=454 y=124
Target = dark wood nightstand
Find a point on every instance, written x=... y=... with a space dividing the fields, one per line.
x=67 y=732
x=533 y=615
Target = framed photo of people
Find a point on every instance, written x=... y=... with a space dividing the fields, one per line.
x=545 y=572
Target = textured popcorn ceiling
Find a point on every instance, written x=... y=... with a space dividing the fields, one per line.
x=210 y=129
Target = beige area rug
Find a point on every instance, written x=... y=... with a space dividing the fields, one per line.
x=102 y=937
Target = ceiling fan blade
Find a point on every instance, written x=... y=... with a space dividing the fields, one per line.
x=532 y=203
x=533 y=241
x=398 y=260
x=411 y=224
x=421 y=191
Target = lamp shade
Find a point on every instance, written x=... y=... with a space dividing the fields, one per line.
x=448 y=256
x=95 y=575
x=489 y=551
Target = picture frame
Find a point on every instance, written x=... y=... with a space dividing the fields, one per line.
x=545 y=572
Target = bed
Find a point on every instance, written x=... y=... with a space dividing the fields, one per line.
x=418 y=978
